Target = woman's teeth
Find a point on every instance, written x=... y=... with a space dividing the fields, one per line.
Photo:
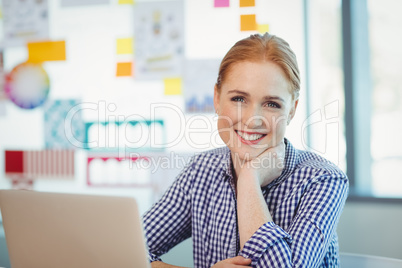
x=249 y=137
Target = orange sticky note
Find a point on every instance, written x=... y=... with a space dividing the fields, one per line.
x=46 y=51
x=263 y=28
x=248 y=23
x=173 y=86
x=247 y=3
x=124 y=69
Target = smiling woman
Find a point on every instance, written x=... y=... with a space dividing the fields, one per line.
x=254 y=106
x=258 y=201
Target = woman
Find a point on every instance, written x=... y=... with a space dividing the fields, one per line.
x=257 y=202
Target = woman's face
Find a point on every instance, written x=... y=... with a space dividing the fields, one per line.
x=254 y=107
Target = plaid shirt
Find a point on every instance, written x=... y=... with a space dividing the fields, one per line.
x=305 y=202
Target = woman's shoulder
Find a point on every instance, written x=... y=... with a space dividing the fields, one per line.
x=221 y=152
x=218 y=158
x=321 y=165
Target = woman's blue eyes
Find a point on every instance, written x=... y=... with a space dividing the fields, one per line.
x=273 y=104
x=238 y=99
x=268 y=104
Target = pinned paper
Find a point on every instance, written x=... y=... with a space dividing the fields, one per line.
x=124 y=46
x=3 y=95
x=24 y=21
x=248 y=22
x=53 y=164
x=247 y=3
x=63 y=124
x=22 y=183
x=73 y=3
x=46 y=51
x=109 y=171
x=173 y=86
x=159 y=52
x=124 y=69
x=199 y=79
x=126 y=2
x=221 y=3
x=3 y=110
x=263 y=28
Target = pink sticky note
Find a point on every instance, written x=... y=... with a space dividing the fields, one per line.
x=221 y=3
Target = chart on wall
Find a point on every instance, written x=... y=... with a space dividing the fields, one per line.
x=199 y=80
x=159 y=35
x=25 y=21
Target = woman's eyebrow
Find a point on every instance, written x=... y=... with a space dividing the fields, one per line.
x=274 y=98
x=236 y=91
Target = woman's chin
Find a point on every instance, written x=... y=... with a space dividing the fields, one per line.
x=246 y=155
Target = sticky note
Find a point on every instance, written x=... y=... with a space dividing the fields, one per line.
x=46 y=51
x=126 y=2
x=247 y=3
x=248 y=23
x=173 y=86
x=221 y=3
x=124 y=45
x=124 y=69
x=263 y=28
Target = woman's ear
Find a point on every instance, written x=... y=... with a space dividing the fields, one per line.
x=216 y=99
x=293 y=110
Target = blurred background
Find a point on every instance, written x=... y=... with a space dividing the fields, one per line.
x=113 y=96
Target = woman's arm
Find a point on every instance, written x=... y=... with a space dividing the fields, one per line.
x=305 y=242
x=252 y=209
x=315 y=203
x=168 y=222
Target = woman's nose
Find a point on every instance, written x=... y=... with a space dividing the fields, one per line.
x=252 y=118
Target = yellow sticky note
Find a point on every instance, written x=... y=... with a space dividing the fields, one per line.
x=124 y=69
x=1 y=14
x=173 y=86
x=247 y=3
x=124 y=46
x=248 y=23
x=46 y=51
x=126 y=2
x=263 y=28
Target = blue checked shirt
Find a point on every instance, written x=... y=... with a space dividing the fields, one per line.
x=305 y=202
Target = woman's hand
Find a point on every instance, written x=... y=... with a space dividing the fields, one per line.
x=237 y=261
x=266 y=167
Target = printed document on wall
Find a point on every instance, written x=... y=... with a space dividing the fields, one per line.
x=200 y=76
x=25 y=21
x=159 y=35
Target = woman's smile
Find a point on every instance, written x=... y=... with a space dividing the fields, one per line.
x=250 y=137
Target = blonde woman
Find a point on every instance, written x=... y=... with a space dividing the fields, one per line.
x=258 y=201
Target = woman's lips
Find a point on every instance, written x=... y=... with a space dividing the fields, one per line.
x=250 y=138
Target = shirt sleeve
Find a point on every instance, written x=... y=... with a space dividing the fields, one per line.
x=168 y=222
x=305 y=242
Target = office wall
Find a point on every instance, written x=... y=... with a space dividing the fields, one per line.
x=371 y=228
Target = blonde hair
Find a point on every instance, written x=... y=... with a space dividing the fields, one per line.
x=260 y=48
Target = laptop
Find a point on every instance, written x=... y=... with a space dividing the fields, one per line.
x=72 y=230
